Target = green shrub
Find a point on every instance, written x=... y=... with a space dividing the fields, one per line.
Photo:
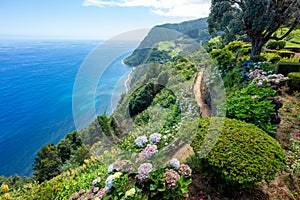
x=286 y=54
x=142 y=98
x=243 y=52
x=250 y=105
x=222 y=56
x=215 y=43
x=184 y=67
x=273 y=44
x=243 y=156
x=235 y=45
x=294 y=82
x=258 y=58
x=287 y=67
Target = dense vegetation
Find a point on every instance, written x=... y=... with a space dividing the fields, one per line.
x=128 y=155
x=258 y=19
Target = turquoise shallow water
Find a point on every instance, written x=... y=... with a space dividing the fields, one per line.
x=36 y=87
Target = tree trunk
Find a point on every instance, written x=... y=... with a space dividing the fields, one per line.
x=257 y=45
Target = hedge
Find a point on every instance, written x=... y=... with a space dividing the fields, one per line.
x=243 y=156
x=287 y=67
x=294 y=82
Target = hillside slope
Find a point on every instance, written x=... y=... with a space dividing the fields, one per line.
x=196 y=30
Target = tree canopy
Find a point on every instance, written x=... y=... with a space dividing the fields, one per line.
x=259 y=19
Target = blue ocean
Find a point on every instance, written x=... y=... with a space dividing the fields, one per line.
x=36 y=87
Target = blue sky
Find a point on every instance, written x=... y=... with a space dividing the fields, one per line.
x=91 y=19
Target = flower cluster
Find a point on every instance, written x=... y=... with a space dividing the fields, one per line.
x=94 y=193
x=171 y=177
x=155 y=137
x=272 y=79
x=130 y=192
x=141 y=141
x=147 y=153
x=97 y=180
x=185 y=170
x=144 y=170
x=109 y=181
x=76 y=195
x=119 y=165
x=175 y=163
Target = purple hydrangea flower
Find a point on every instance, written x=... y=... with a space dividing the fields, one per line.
x=175 y=163
x=141 y=141
x=144 y=170
x=150 y=150
x=109 y=181
x=155 y=137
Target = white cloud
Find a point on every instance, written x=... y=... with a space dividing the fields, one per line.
x=173 y=8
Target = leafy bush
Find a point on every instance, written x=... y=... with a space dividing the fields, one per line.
x=243 y=52
x=294 y=82
x=252 y=106
x=215 y=43
x=286 y=67
x=286 y=54
x=258 y=58
x=243 y=156
x=142 y=98
x=273 y=44
x=165 y=98
x=184 y=67
x=222 y=56
x=235 y=45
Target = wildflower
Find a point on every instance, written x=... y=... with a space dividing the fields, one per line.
x=109 y=181
x=260 y=83
x=185 y=170
x=5 y=188
x=144 y=170
x=101 y=192
x=110 y=168
x=155 y=137
x=81 y=192
x=141 y=141
x=130 y=192
x=175 y=163
x=74 y=196
x=86 y=161
x=165 y=137
x=95 y=189
x=171 y=177
x=117 y=175
x=97 y=180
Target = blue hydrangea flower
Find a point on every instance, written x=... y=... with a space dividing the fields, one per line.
x=155 y=137
x=175 y=163
x=144 y=171
x=110 y=168
x=109 y=181
x=141 y=141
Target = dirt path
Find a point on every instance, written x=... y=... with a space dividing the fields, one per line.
x=205 y=111
x=187 y=150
